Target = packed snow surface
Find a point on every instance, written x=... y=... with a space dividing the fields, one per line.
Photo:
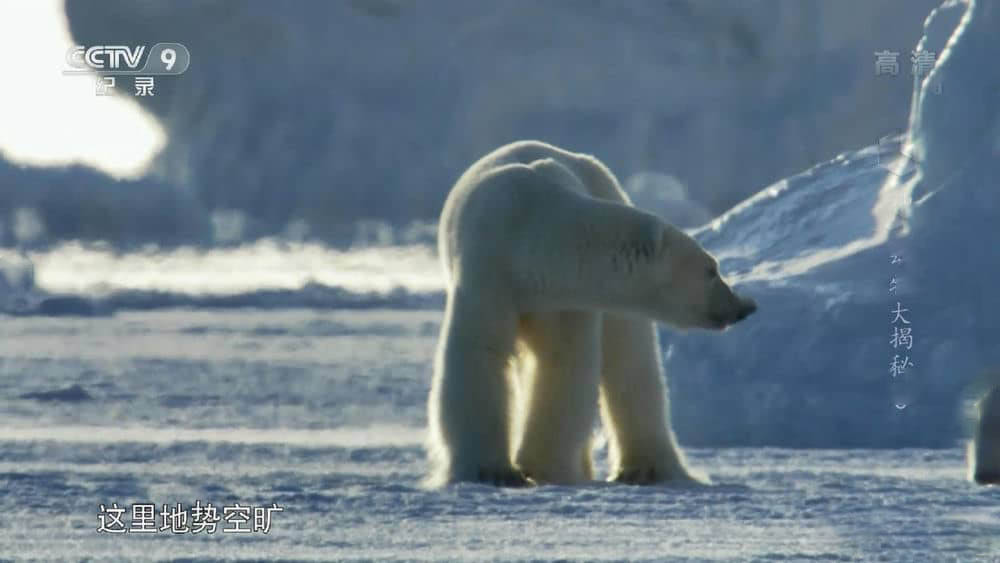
x=323 y=414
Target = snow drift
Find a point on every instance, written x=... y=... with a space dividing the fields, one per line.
x=814 y=368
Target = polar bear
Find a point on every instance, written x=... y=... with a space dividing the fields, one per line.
x=984 y=453
x=553 y=283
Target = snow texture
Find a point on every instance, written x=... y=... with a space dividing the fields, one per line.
x=323 y=413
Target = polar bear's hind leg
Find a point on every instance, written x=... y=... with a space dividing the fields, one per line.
x=469 y=404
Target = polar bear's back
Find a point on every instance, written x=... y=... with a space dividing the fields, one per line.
x=595 y=178
x=501 y=201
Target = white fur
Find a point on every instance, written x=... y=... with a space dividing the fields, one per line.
x=552 y=281
x=984 y=451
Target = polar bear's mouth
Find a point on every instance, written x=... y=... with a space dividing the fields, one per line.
x=717 y=322
x=721 y=322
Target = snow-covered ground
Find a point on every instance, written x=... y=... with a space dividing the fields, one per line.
x=322 y=413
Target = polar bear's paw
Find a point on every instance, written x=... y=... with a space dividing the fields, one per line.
x=503 y=477
x=987 y=478
x=653 y=474
x=638 y=476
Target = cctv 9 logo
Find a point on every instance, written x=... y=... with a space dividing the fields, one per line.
x=163 y=58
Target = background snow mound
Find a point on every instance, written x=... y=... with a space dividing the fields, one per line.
x=667 y=197
x=283 y=114
x=812 y=367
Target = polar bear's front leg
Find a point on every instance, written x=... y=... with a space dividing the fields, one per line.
x=635 y=407
x=468 y=408
x=560 y=395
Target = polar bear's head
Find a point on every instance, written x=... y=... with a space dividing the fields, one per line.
x=688 y=291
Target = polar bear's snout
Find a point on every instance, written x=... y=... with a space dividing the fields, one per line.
x=730 y=309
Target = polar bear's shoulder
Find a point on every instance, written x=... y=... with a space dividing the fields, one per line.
x=533 y=177
x=553 y=171
x=540 y=161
